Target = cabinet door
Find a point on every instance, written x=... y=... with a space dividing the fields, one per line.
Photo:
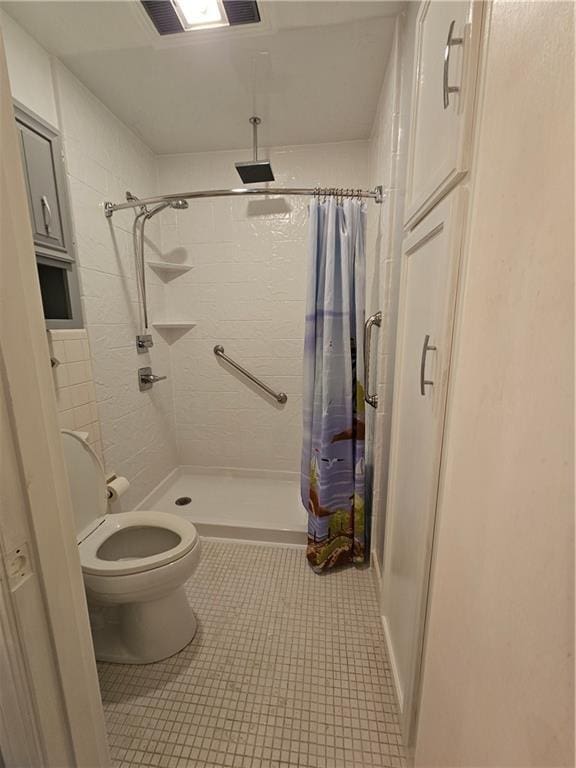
x=431 y=256
x=40 y=168
x=443 y=95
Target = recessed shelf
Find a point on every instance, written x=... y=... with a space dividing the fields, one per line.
x=174 y=324
x=167 y=266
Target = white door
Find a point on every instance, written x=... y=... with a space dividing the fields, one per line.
x=50 y=709
x=430 y=256
x=446 y=50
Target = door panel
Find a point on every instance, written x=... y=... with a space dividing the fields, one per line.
x=429 y=275
x=442 y=101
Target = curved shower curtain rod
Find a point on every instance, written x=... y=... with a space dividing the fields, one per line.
x=132 y=202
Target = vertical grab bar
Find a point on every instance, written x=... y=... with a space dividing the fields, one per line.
x=373 y=320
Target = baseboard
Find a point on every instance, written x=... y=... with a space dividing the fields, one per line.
x=377 y=576
x=395 y=676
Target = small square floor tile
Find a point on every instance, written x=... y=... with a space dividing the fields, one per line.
x=288 y=669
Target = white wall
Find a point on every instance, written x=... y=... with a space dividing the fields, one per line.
x=388 y=156
x=246 y=292
x=74 y=384
x=29 y=69
x=498 y=686
x=103 y=160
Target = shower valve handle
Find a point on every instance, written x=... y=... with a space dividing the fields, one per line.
x=146 y=379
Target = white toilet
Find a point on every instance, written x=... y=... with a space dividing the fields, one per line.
x=134 y=566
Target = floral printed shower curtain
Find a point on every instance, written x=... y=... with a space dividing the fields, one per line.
x=332 y=479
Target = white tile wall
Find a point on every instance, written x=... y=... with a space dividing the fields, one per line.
x=104 y=159
x=74 y=384
x=246 y=292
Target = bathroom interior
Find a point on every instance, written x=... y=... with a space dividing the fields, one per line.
x=282 y=263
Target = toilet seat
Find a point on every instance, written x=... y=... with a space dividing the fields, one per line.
x=93 y=564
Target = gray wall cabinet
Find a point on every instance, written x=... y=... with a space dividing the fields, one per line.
x=45 y=178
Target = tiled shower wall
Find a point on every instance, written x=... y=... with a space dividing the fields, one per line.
x=246 y=292
x=104 y=159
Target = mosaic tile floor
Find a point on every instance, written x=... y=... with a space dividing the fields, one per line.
x=288 y=668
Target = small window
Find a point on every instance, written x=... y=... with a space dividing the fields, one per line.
x=55 y=293
x=59 y=290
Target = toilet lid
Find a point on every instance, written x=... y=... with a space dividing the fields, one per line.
x=87 y=482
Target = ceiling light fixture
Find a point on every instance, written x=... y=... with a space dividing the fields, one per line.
x=200 y=14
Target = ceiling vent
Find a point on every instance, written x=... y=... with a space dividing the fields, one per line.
x=242 y=11
x=167 y=20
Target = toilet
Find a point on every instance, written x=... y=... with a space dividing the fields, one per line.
x=134 y=566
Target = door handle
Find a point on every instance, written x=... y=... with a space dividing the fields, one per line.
x=425 y=349
x=448 y=89
x=373 y=320
x=46 y=213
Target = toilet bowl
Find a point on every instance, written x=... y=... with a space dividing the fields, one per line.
x=134 y=566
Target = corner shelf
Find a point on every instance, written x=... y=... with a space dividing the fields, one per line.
x=167 y=266
x=176 y=324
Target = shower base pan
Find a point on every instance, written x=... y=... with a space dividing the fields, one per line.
x=234 y=504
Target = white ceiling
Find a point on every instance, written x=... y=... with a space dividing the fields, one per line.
x=312 y=70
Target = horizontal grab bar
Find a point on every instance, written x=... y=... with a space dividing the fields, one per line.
x=281 y=397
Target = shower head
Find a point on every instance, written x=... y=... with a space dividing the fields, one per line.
x=254 y=172
x=257 y=170
x=179 y=205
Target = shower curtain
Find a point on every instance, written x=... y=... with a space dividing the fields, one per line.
x=332 y=477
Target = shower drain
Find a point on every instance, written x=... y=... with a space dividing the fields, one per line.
x=181 y=501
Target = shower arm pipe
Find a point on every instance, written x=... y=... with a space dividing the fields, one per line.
x=376 y=194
